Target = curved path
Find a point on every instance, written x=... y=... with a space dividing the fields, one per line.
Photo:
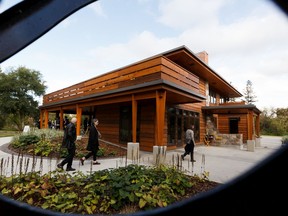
x=220 y=163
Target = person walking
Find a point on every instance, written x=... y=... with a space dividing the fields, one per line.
x=190 y=143
x=69 y=142
x=93 y=143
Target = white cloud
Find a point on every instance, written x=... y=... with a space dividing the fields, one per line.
x=248 y=43
x=97 y=8
x=183 y=14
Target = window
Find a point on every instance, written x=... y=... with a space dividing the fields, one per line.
x=212 y=97
x=125 y=126
x=178 y=122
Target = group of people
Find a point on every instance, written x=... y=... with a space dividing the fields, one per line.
x=69 y=141
x=55 y=124
x=70 y=137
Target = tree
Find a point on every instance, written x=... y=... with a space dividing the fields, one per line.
x=274 y=121
x=282 y=120
x=249 y=94
x=18 y=90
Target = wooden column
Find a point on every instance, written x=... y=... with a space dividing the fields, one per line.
x=41 y=119
x=46 y=113
x=250 y=125
x=134 y=119
x=79 y=119
x=160 y=116
x=258 y=125
x=61 y=118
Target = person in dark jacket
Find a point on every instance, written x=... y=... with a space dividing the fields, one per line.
x=190 y=144
x=93 y=143
x=69 y=142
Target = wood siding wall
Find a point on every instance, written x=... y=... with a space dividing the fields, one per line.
x=147 y=127
x=151 y=70
x=108 y=116
x=223 y=124
x=109 y=119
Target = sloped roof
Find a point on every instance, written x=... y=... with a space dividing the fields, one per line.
x=188 y=60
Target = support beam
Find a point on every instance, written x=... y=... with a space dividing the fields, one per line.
x=134 y=119
x=61 y=119
x=250 y=125
x=160 y=116
x=46 y=116
x=79 y=120
x=41 y=119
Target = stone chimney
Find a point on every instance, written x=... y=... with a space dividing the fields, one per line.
x=203 y=56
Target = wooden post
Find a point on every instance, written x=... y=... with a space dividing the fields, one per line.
x=61 y=119
x=134 y=119
x=41 y=119
x=160 y=116
x=79 y=119
x=46 y=118
x=250 y=125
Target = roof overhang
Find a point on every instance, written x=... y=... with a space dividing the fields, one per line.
x=229 y=108
x=188 y=60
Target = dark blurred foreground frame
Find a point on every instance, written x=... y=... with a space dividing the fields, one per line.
x=261 y=190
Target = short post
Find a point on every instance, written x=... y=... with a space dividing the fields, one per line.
x=251 y=145
x=133 y=151
x=159 y=154
x=258 y=142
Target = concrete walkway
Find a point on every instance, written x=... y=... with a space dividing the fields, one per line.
x=220 y=164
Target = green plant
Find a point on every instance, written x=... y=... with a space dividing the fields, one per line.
x=25 y=140
x=131 y=188
x=47 y=142
x=284 y=140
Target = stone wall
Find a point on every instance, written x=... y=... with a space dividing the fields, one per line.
x=228 y=139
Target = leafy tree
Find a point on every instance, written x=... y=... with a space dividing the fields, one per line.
x=18 y=90
x=282 y=120
x=249 y=94
x=274 y=121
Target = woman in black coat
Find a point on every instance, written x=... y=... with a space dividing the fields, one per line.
x=93 y=143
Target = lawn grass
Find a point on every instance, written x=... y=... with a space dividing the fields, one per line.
x=8 y=133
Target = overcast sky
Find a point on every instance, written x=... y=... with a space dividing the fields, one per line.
x=245 y=40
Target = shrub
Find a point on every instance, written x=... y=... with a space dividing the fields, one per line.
x=284 y=140
x=131 y=188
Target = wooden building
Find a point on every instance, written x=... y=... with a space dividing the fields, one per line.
x=153 y=101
